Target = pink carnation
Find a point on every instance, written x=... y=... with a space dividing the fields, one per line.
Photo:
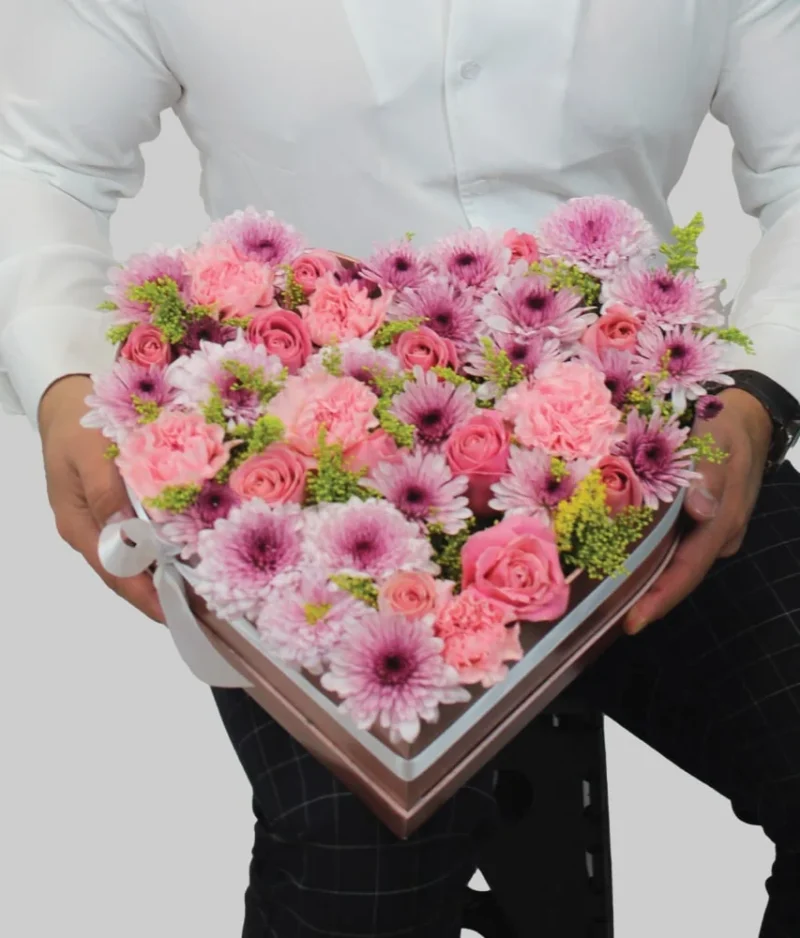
x=307 y=403
x=226 y=280
x=516 y=562
x=478 y=637
x=338 y=311
x=567 y=412
x=176 y=449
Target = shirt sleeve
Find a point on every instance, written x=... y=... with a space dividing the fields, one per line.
x=758 y=97
x=82 y=88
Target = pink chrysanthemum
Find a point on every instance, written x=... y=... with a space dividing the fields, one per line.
x=424 y=489
x=669 y=299
x=260 y=236
x=533 y=354
x=689 y=360
x=397 y=267
x=433 y=407
x=472 y=259
x=390 y=671
x=197 y=375
x=531 y=487
x=654 y=449
x=142 y=269
x=358 y=359
x=479 y=637
x=249 y=557
x=214 y=502
x=205 y=329
x=302 y=627
x=112 y=405
x=370 y=538
x=597 y=234
x=443 y=307
x=617 y=368
x=526 y=306
x=708 y=407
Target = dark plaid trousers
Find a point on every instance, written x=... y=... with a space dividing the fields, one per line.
x=715 y=687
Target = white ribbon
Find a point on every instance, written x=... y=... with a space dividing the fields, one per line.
x=130 y=547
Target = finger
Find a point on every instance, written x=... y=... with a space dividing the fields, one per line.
x=704 y=495
x=103 y=490
x=82 y=533
x=693 y=559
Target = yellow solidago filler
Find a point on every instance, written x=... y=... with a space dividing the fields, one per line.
x=332 y=361
x=331 y=481
x=293 y=294
x=148 y=411
x=112 y=451
x=362 y=587
x=252 y=379
x=389 y=331
x=558 y=468
x=707 y=449
x=452 y=377
x=316 y=611
x=116 y=335
x=174 y=498
x=728 y=334
x=166 y=305
x=563 y=276
x=214 y=408
x=389 y=386
x=588 y=537
x=447 y=548
x=682 y=255
x=499 y=368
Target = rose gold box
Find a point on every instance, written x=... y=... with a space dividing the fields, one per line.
x=404 y=784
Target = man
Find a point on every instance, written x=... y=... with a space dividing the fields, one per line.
x=359 y=120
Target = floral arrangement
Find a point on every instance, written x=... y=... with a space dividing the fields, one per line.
x=389 y=466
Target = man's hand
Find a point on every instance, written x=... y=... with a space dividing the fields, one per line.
x=720 y=503
x=84 y=488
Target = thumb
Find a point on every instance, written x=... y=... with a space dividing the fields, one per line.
x=704 y=494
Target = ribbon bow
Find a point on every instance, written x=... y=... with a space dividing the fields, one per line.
x=130 y=547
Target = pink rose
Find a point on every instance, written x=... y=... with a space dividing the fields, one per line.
x=146 y=345
x=223 y=278
x=338 y=311
x=311 y=266
x=176 y=449
x=378 y=447
x=567 y=412
x=478 y=637
x=623 y=488
x=479 y=449
x=516 y=562
x=412 y=595
x=283 y=334
x=307 y=403
x=616 y=329
x=523 y=246
x=425 y=348
x=276 y=476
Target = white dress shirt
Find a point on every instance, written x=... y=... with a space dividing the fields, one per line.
x=358 y=120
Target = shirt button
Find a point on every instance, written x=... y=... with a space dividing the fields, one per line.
x=470 y=70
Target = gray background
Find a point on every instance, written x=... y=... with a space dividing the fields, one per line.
x=124 y=812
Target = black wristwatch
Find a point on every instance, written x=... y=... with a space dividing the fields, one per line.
x=782 y=407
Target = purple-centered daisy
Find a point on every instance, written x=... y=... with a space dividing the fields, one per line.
x=139 y=270
x=669 y=299
x=531 y=487
x=423 y=487
x=205 y=329
x=112 y=405
x=197 y=375
x=597 y=234
x=370 y=538
x=532 y=354
x=358 y=359
x=397 y=267
x=654 y=448
x=687 y=360
x=302 y=627
x=214 y=502
x=433 y=407
x=526 y=306
x=249 y=557
x=443 y=307
x=617 y=368
x=390 y=671
x=259 y=236
x=472 y=259
x=708 y=407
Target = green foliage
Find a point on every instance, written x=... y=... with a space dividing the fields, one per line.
x=729 y=334
x=682 y=255
x=447 y=548
x=174 y=498
x=119 y=333
x=252 y=379
x=389 y=386
x=169 y=312
x=148 y=411
x=707 y=449
x=563 y=276
x=499 y=368
x=112 y=451
x=331 y=481
x=293 y=295
x=389 y=331
x=332 y=361
x=362 y=587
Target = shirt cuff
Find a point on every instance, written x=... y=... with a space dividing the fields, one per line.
x=777 y=353
x=46 y=344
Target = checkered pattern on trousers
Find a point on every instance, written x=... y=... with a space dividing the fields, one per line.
x=715 y=687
